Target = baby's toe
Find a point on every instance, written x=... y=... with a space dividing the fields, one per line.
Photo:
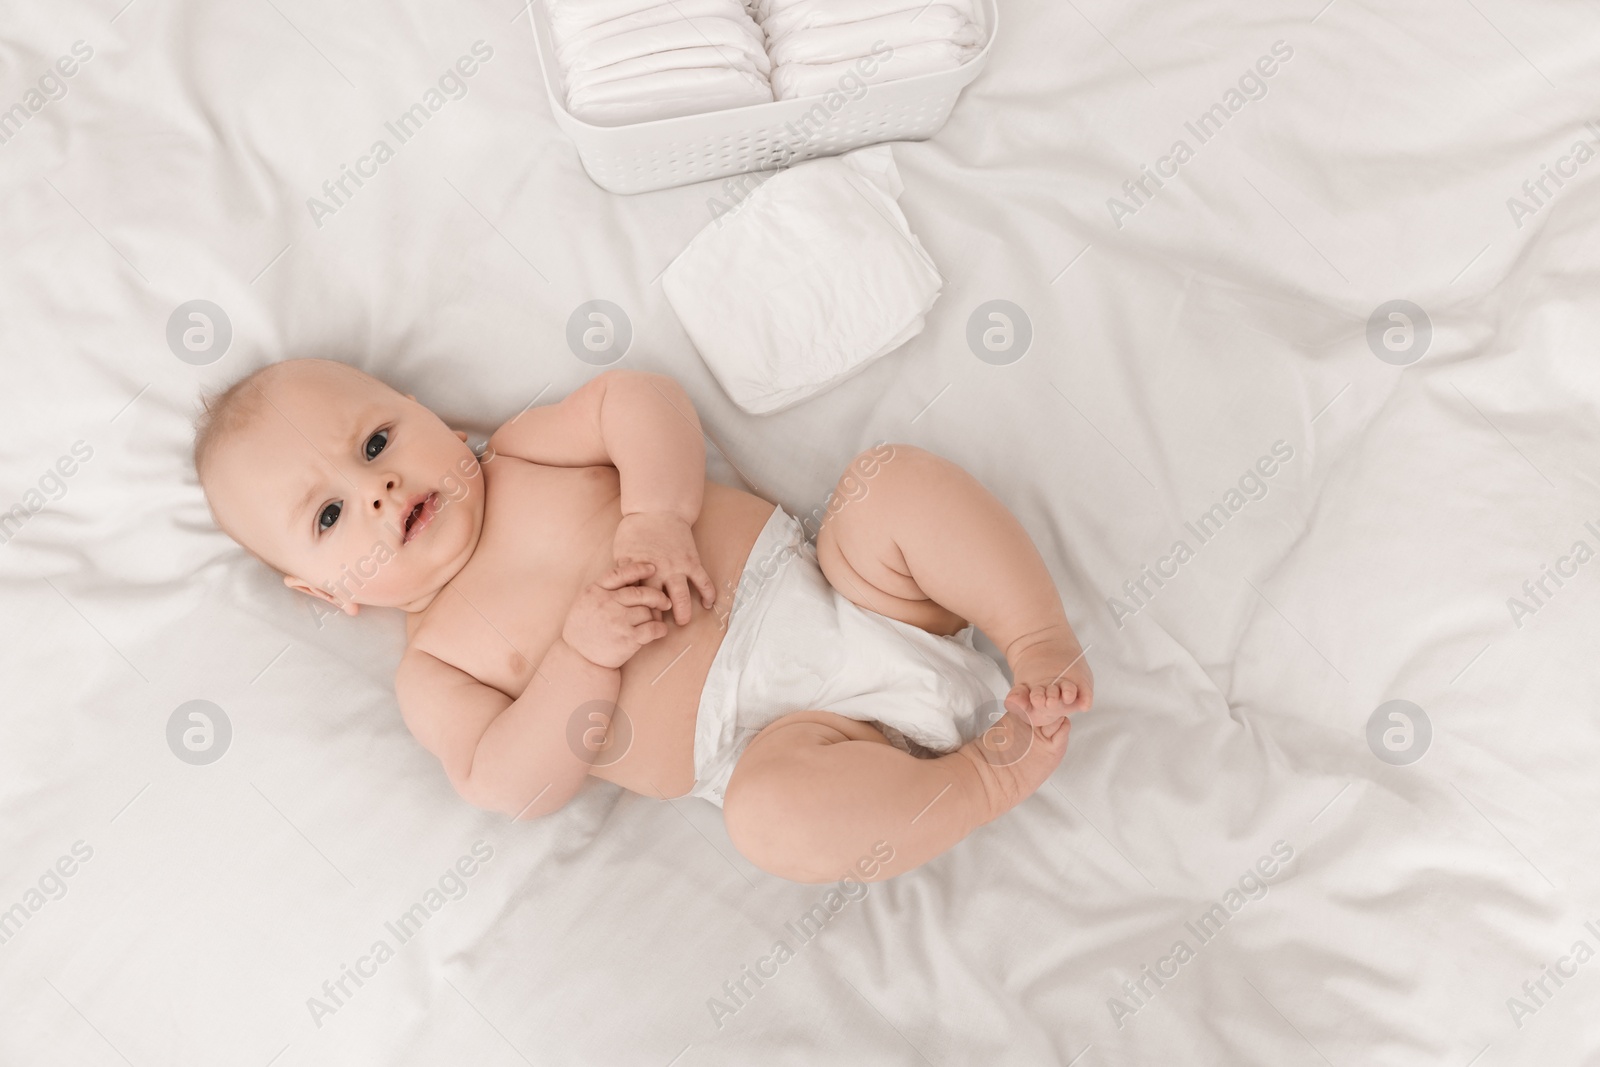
x=1027 y=701
x=1041 y=704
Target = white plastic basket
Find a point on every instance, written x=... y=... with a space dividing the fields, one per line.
x=642 y=156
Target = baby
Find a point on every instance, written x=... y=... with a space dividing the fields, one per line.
x=580 y=600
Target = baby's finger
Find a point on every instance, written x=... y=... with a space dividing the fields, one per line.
x=678 y=590
x=637 y=614
x=702 y=582
x=626 y=574
x=646 y=632
x=643 y=594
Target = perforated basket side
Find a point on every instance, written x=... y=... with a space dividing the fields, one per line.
x=649 y=163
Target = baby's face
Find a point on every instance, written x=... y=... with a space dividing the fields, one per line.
x=358 y=494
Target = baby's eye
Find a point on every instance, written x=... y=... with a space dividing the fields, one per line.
x=377 y=443
x=328 y=516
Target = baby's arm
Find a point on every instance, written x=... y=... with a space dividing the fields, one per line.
x=500 y=754
x=642 y=424
x=514 y=756
x=646 y=427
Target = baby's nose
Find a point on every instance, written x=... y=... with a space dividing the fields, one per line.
x=377 y=501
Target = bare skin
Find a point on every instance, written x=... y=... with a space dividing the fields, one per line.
x=585 y=564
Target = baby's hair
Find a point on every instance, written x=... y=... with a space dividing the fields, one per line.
x=221 y=414
x=224 y=413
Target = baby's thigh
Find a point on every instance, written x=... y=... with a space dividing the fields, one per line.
x=770 y=806
x=783 y=750
x=878 y=504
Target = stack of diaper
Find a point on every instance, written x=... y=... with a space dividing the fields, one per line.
x=814 y=44
x=628 y=61
x=814 y=276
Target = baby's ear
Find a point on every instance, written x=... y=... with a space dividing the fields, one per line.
x=302 y=586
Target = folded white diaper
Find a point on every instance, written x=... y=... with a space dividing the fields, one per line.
x=792 y=80
x=668 y=94
x=852 y=40
x=628 y=61
x=656 y=62
x=837 y=11
x=738 y=40
x=811 y=278
x=779 y=17
x=569 y=17
x=568 y=44
x=815 y=44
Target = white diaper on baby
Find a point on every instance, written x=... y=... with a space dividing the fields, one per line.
x=794 y=643
x=812 y=277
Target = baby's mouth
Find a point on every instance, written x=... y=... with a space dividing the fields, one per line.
x=420 y=515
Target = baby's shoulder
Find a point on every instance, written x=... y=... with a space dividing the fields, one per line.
x=421 y=668
x=444 y=707
x=430 y=658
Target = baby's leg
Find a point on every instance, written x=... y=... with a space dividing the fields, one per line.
x=817 y=793
x=920 y=540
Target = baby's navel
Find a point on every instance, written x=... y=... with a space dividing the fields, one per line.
x=519 y=664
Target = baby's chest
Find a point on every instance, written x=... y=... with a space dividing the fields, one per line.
x=547 y=533
x=498 y=622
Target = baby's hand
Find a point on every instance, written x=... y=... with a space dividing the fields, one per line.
x=613 y=618
x=666 y=542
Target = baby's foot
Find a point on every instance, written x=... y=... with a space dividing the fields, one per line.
x=1013 y=759
x=1052 y=677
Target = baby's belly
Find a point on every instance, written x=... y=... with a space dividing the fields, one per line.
x=654 y=753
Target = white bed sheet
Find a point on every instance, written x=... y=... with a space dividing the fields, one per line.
x=1169 y=353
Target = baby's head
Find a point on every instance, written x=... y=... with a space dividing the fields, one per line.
x=357 y=494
